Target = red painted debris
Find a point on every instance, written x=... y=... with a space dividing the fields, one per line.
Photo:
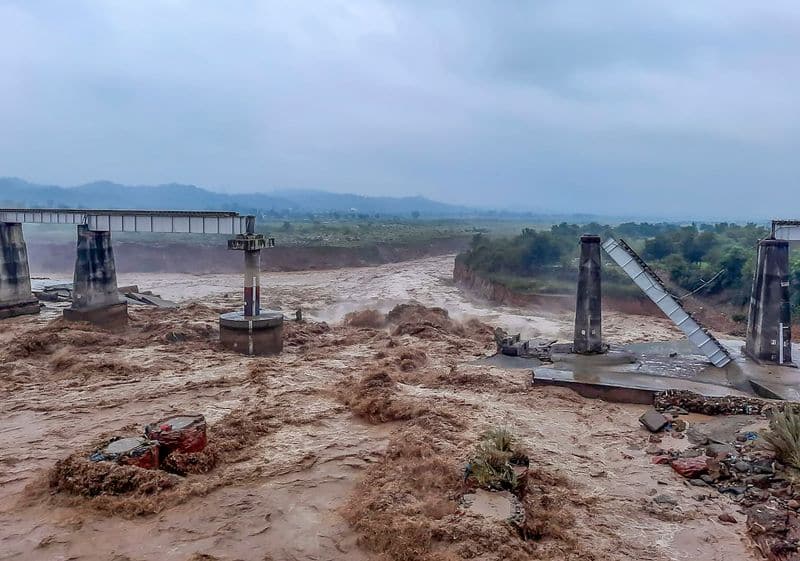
x=660 y=459
x=179 y=433
x=690 y=467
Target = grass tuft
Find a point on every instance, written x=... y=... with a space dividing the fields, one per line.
x=784 y=436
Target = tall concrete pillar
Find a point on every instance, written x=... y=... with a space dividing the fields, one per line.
x=769 y=335
x=95 y=296
x=588 y=317
x=15 y=277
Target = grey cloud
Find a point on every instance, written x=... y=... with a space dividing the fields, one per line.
x=628 y=107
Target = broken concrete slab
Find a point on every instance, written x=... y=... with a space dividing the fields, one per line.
x=624 y=387
x=148 y=299
x=156 y=301
x=129 y=288
x=57 y=291
x=653 y=420
x=769 y=389
x=135 y=451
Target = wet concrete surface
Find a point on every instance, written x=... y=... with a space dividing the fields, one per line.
x=641 y=369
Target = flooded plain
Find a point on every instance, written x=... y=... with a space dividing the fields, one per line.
x=353 y=440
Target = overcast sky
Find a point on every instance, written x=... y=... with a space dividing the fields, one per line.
x=674 y=107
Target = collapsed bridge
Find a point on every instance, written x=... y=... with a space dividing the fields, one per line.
x=769 y=337
x=96 y=298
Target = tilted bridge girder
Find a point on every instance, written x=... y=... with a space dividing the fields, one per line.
x=650 y=283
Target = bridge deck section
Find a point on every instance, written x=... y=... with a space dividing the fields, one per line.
x=159 y=221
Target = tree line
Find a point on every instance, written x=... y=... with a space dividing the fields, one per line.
x=709 y=259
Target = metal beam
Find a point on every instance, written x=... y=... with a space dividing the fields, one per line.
x=646 y=279
x=159 y=221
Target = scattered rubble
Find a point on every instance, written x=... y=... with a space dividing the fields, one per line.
x=696 y=403
x=775 y=530
x=513 y=345
x=62 y=292
x=690 y=467
x=746 y=468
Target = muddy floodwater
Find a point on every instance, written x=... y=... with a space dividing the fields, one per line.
x=349 y=445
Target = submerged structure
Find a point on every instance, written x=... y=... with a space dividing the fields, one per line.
x=95 y=295
x=637 y=372
x=252 y=331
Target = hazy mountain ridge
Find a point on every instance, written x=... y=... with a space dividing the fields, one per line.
x=106 y=194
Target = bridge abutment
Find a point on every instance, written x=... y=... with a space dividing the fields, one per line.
x=588 y=336
x=769 y=336
x=16 y=297
x=95 y=296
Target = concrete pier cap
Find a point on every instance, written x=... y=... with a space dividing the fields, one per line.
x=588 y=335
x=252 y=331
x=16 y=297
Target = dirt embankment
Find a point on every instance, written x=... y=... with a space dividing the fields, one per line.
x=46 y=257
x=500 y=294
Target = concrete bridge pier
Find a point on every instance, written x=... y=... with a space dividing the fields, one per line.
x=252 y=331
x=95 y=296
x=15 y=278
x=588 y=336
x=769 y=336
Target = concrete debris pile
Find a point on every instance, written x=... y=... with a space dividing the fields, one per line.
x=185 y=434
x=142 y=464
x=513 y=345
x=741 y=465
x=147 y=298
x=775 y=530
x=63 y=292
x=54 y=292
x=696 y=403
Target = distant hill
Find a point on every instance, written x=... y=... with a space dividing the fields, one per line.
x=105 y=194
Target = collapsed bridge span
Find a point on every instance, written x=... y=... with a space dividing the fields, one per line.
x=650 y=283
